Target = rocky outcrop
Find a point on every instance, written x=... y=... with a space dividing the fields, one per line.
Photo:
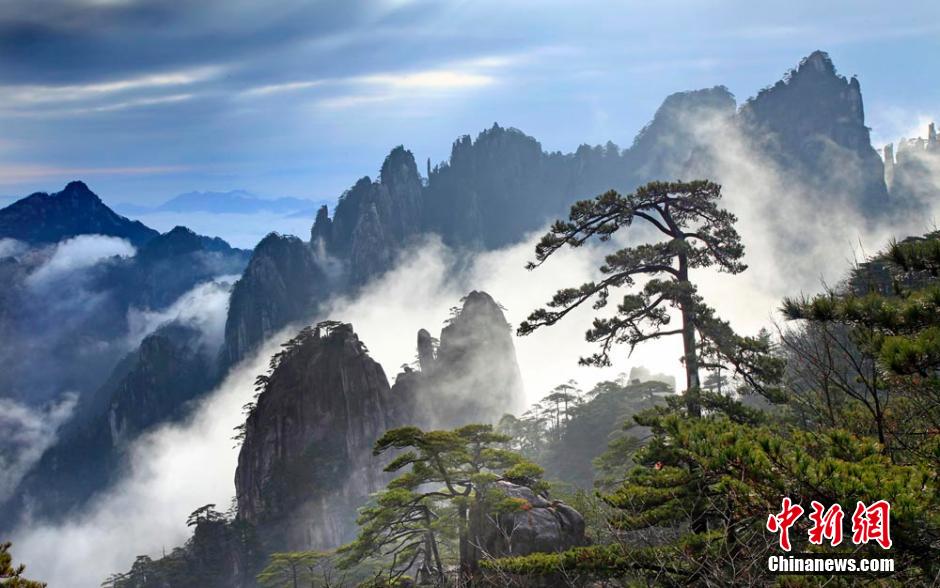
x=812 y=123
x=913 y=171
x=150 y=386
x=169 y=370
x=282 y=283
x=76 y=210
x=471 y=377
x=539 y=525
x=373 y=220
x=682 y=125
x=306 y=463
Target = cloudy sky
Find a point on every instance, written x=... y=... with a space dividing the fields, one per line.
x=145 y=99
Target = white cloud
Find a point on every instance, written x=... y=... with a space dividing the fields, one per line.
x=281 y=88
x=56 y=94
x=423 y=287
x=204 y=308
x=25 y=434
x=11 y=248
x=79 y=253
x=172 y=471
x=432 y=79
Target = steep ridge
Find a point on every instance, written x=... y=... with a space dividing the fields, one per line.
x=305 y=465
x=306 y=462
x=498 y=187
x=76 y=210
x=472 y=376
x=150 y=386
x=282 y=283
x=813 y=124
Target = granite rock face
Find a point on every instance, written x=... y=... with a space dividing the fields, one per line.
x=282 y=283
x=306 y=463
x=471 y=377
x=373 y=220
x=539 y=525
x=812 y=123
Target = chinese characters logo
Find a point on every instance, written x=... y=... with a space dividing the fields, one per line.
x=869 y=523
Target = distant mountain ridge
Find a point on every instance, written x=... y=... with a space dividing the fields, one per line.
x=231 y=202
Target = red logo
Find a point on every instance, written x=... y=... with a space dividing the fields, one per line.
x=872 y=523
x=869 y=523
x=827 y=524
x=781 y=522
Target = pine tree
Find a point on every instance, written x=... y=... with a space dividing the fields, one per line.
x=11 y=575
x=698 y=234
x=296 y=569
x=449 y=486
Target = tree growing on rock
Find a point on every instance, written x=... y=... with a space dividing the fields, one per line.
x=447 y=479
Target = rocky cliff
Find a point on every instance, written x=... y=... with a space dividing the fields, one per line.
x=495 y=189
x=152 y=385
x=471 y=377
x=372 y=220
x=913 y=171
x=168 y=266
x=306 y=462
x=812 y=123
x=282 y=283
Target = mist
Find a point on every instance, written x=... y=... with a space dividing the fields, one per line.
x=11 y=248
x=25 y=434
x=171 y=471
x=78 y=253
x=796 y=242
x=239 y=230
x=204 y=308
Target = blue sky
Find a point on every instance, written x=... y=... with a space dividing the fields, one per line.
x=146 y=99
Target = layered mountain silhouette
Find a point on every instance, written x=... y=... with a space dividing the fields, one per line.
x=231 y=202
x=500 y=186
x=75 y=333
x=492 y=191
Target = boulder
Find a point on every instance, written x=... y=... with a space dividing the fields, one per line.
x=540 y=525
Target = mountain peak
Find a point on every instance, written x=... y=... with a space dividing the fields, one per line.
x=817 y=61
x=78 y=188
x=399 y=166
x=76 y=210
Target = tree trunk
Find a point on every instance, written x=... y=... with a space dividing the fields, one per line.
x=463 y=545
x=686 y=306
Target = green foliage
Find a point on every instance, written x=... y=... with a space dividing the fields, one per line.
x=11 y=575
x=220 y=547
x=860 y=423
x=873 y=357
x=445 y=478
x=310 y=569
x=729 y=476
x=567 y=440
